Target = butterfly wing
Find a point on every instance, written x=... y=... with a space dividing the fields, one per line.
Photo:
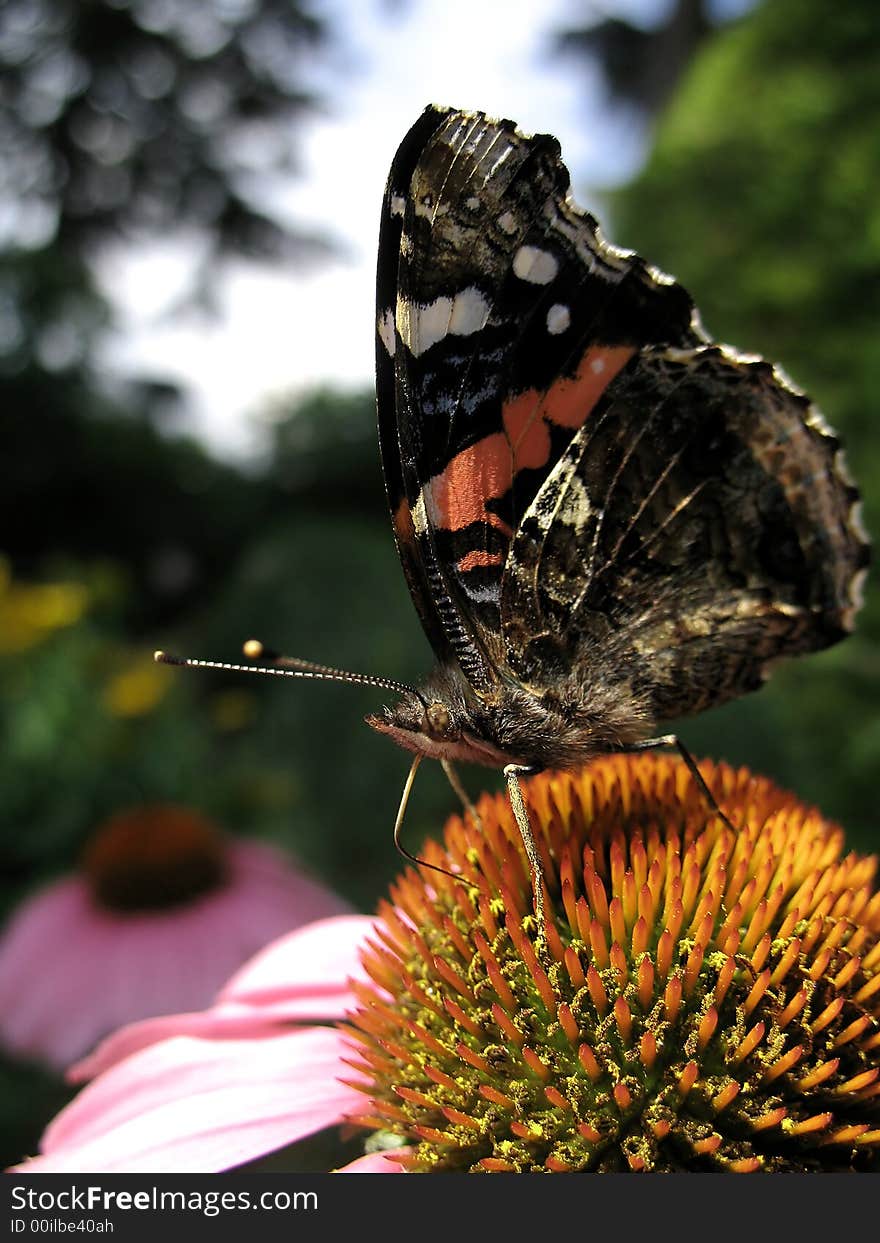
x=700 y=525
x=502 y=316
x=577 y=474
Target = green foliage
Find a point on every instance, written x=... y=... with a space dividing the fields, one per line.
x=306 y=768
x=323 y=452
x=90 y=725
x=84 y=479
x=763 y=196
x=30 y=1095
x=86 y=729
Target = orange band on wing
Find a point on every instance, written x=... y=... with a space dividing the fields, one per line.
x=567 y=403
x=403 y=523
x=458 y=496
x=479 y=559
x=484 y=471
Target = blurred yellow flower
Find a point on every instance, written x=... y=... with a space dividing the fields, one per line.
x=138 y=689
x=30 y=612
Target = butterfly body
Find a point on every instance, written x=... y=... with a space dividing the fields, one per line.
x=587 y=713
x=606 y=519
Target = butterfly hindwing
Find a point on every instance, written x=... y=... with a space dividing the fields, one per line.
x=699 y=526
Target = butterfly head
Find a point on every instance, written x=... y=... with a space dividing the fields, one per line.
x=440 y=722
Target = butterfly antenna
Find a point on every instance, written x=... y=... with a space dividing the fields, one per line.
x=254 y=649
x=304 y=669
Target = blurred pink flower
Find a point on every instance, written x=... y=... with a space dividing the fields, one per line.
x=162 y=912
x=212 y=1090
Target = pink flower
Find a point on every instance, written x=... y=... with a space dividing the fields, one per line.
x=653 y=1019
x=212 y=1090
x=161 y=913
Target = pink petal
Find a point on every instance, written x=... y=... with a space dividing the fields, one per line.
x=300 y=977
x=312 y=962
x=231 y=1024
x=99 y=970
x=190 y=1105
x=376 y=1163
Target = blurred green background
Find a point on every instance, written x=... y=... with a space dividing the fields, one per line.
x=760 y=190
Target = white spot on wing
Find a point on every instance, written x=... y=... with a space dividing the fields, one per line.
x=419 y=515
x=397 y=204
x=386 y=330
x=421 y=326
x=507 y=222
x=597 y=365
x=424 y=206
x=470 y=310
x=487 y=594
x=536 y=266
x=558 y=319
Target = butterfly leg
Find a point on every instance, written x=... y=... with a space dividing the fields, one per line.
x=512 y=773
x=455 y=781
x=672 y=740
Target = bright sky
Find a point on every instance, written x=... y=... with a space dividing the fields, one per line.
x=285 y=332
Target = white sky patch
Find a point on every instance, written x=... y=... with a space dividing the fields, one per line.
x=536 y=266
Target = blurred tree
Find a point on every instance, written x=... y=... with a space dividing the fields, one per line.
x=139 y=117
x=87 y=477
x=125 y=121
x=642 y=64
x=323 y=452
x=762 y=195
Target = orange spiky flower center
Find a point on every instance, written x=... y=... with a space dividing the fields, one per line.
x=702 y=1000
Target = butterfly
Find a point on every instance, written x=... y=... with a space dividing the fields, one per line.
x=606 y=519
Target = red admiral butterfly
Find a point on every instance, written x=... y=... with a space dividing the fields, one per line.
x=606 y=519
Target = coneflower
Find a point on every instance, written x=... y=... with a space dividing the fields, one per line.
x=703 y=999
